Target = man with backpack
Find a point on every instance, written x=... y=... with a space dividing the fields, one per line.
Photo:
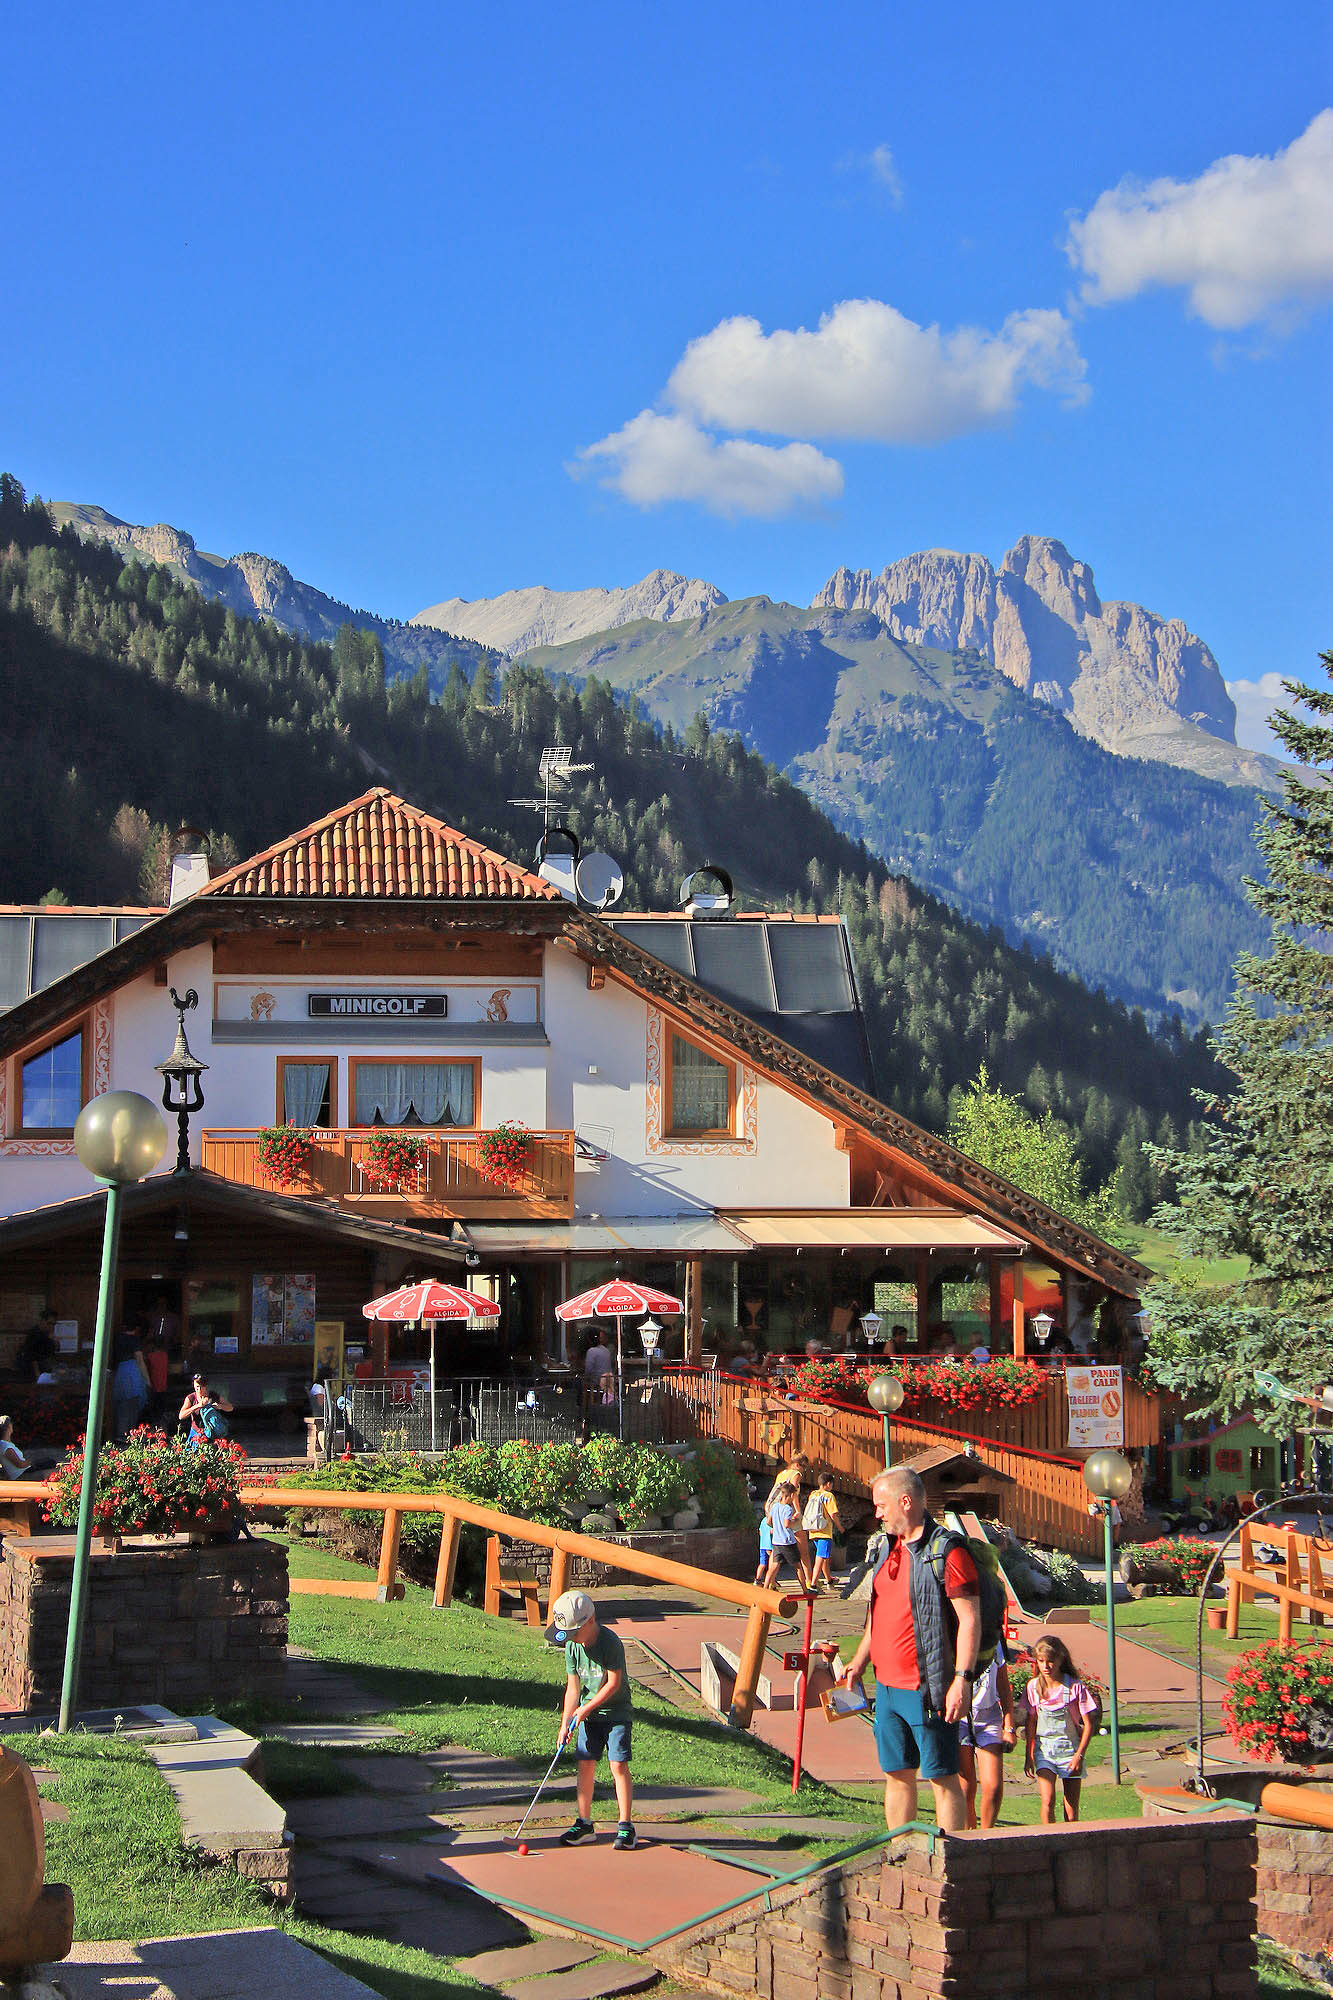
x=924 y=1637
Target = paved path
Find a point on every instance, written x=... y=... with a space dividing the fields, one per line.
x=217 y=1965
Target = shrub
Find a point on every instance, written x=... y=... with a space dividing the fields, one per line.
x=1071 y=1585
x=724 y=1498
x=1279 y=1702
x=151 y=1485
x=1185 y=1556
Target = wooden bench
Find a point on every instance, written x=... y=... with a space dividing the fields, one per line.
x=19 y=1517
x=1296 y=1577
x=506 y=1579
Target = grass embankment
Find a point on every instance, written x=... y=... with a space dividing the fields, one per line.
x=1162 y=1255
x=121 y=1853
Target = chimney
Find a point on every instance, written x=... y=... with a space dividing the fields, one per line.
x=707 y=892
x=190 y=869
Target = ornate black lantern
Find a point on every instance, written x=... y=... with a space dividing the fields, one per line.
x=182 y=1091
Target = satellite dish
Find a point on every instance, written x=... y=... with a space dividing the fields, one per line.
x=706 y=891
x=599 y=881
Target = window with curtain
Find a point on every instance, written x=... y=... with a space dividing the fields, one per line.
x=702 y=1089
x=415 y=1093
x=305 y=1094
x=51 y=1087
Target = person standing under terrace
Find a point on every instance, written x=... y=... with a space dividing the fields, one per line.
x=922 y=1634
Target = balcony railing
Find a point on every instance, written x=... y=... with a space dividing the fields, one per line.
x=449 y=1181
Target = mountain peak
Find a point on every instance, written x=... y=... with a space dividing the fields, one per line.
x=1124 y=676
x=518 y=621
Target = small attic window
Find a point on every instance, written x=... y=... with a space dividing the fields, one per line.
x=52 y=1086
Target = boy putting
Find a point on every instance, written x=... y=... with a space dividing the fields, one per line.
x=597 y=1705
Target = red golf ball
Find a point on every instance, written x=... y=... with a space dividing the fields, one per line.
x=522 y=1846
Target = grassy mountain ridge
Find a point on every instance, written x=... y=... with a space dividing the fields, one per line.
x=1128 y=872
x=129 y=694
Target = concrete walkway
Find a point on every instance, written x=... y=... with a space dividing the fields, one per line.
x=216 y=1965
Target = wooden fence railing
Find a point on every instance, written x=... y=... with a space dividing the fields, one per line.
x=1048 y=1501
x=761 y=1605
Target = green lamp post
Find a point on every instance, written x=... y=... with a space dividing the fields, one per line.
x=1108 y=1476
x=119 y=1138
x=885 y=1394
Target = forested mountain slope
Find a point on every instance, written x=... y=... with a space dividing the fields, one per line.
x=1128 y=872
x=131 y=703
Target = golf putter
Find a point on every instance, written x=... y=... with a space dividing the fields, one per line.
x=559 y=1753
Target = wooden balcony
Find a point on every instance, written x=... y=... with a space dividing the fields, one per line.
x=448 y=1183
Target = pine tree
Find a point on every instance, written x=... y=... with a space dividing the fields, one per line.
x=1260 y=1183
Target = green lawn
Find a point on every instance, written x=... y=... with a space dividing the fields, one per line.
x=1168 y=1624
x=121 y=1853
x=1160 y=1254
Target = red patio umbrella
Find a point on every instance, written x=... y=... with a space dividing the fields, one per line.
x=433 y=1301
x=619 y=1300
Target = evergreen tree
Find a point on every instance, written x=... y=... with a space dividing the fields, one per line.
x=1260 y=1185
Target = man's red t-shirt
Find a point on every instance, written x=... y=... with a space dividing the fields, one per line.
x=892 y=1633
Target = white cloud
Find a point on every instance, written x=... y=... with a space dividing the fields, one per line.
x=1250 y=239
x=655 y=458
x=869 y=372
x=1255 y=702
x=885 y=174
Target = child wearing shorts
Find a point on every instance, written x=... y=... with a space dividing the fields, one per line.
x=820 y=1520
x=983 y=1737
x=597 y=1706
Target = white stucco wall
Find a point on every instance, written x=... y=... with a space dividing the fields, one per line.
x=795 y=1162
x=591 y=1078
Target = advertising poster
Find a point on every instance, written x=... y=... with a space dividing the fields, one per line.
x=298 y=1307
x=266 y=1292
x=1096 y=1407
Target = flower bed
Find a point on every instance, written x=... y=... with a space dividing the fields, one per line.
x=50 y=1415
x=151 y=1485
x=1003 y=1384
x=1186 y=1557
x=1279 y=1702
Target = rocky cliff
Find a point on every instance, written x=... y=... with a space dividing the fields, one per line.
x=518 y=621
x=1138 y=684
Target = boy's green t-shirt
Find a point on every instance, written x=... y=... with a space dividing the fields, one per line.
x=592 y=1664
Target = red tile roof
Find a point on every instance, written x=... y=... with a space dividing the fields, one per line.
x=379 y=846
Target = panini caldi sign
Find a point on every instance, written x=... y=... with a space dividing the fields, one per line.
x=377 y=1006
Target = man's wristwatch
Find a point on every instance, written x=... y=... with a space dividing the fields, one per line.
x=967 y=1674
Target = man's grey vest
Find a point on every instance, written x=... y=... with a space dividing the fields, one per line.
x=933 y=1621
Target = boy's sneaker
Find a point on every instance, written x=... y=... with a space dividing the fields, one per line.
x=625 y=1837
x=582 y=1829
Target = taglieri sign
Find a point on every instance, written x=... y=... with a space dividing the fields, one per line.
x=1096 y=1406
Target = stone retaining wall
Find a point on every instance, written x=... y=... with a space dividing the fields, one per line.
x=724 y=1551
x=172 y=1623
x=1295 y=1873
x=1104 y=1911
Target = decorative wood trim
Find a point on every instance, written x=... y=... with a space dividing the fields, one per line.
x=744 y=1101
x=355 y=1063
x=333 y=1067
x=596 y=978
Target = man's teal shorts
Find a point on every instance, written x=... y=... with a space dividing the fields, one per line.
x=908 y=1739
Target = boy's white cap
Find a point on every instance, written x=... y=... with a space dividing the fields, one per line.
x=571 y=1612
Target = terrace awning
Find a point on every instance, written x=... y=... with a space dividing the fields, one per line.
x=887 y=1229
x=616 y=1236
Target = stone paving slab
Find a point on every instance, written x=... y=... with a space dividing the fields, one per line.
x=588 y=1982
x=218 y=1965
x=332 y=1735
x=354 y=1817
x=528 y=1961
x=393 y=1775
x=221 y=1806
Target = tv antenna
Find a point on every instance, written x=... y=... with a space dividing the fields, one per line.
x=555 y=771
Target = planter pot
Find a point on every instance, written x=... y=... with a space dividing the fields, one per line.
x=1217 y=1617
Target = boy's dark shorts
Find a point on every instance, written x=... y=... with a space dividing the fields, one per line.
x=907 y=1738
x=598 y=1733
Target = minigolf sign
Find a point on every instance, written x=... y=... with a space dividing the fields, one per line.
x=1096 y=1406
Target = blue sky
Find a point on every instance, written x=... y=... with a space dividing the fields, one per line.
x=431 y=301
